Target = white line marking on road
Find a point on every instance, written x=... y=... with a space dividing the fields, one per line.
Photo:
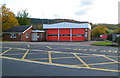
x=98 y=55
x=49 y=47
x=28 y=45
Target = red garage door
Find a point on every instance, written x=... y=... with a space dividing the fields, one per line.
x=52 y=34
x=78 y=34
x=64 y=34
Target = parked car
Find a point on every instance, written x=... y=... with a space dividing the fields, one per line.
x=97 y=39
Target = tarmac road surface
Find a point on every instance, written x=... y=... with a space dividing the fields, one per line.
x=59 y=59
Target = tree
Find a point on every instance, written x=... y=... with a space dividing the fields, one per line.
x=8 y=18
x=99 y=30
x=23 y=17
x=38 y=27
x=117 y=30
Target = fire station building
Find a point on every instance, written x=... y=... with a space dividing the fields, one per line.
x=67 y=31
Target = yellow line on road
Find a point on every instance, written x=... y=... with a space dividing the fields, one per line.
x=38 y=53
x=109 y=58
x=15 y=54
x=92 y=50
x=25 y=54
x=50 y=57
x=23 y=49
x=112 y=56
x=54 y=58
x=71 y=53
x=103 y=63
x=69 y=66
x=6 y=51
x=67 y=48
x=103 y=69
x=49 y=47
x=17 y=48
x=95 y=50
x=99 y=63
x=62 y=57
x=81 y=60
x=72 y=57
x=60 y=52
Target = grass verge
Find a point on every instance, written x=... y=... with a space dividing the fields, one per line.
x=102 y=43
x=8 y=41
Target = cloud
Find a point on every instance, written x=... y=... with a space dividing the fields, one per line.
x=84 y=6
x=56 y=15
x=86 y=2
x=82 y=11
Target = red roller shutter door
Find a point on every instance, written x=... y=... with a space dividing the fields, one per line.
x=76 y=34
x=64 y=34
x=50 y=32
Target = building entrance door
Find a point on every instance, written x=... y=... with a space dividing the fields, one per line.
x=34 y=37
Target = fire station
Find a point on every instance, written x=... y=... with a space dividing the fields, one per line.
x=66 y=31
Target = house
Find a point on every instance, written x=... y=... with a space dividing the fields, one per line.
x=23 y=33
x=18 y=33
x=66 y=31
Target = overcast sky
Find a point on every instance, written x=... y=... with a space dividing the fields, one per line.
x=95 y=11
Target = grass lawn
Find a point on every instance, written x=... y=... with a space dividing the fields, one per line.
x=102 y=43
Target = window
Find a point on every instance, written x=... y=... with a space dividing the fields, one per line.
x=27 y=35
x=78 y=35
x=13 y=35
x=86 y=35
x=52 y=35
x=65 y=35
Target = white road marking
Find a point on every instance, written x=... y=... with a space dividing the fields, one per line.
x=49 y=47
x=28 y=45
x=98 y=55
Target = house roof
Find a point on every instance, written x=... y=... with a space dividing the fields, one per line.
x=20 y=28
x=66 y=25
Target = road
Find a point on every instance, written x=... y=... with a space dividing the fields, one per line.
x=59 y=59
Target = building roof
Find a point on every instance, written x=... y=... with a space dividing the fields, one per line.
x=66 y=25
x=38 y=31
x=20 y=28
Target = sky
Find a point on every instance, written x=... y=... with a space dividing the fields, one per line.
x=95 y=11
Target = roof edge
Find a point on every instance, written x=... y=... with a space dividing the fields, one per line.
x=27 y=29
x=69 y=22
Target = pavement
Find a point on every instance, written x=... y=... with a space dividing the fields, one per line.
x=59 y=59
